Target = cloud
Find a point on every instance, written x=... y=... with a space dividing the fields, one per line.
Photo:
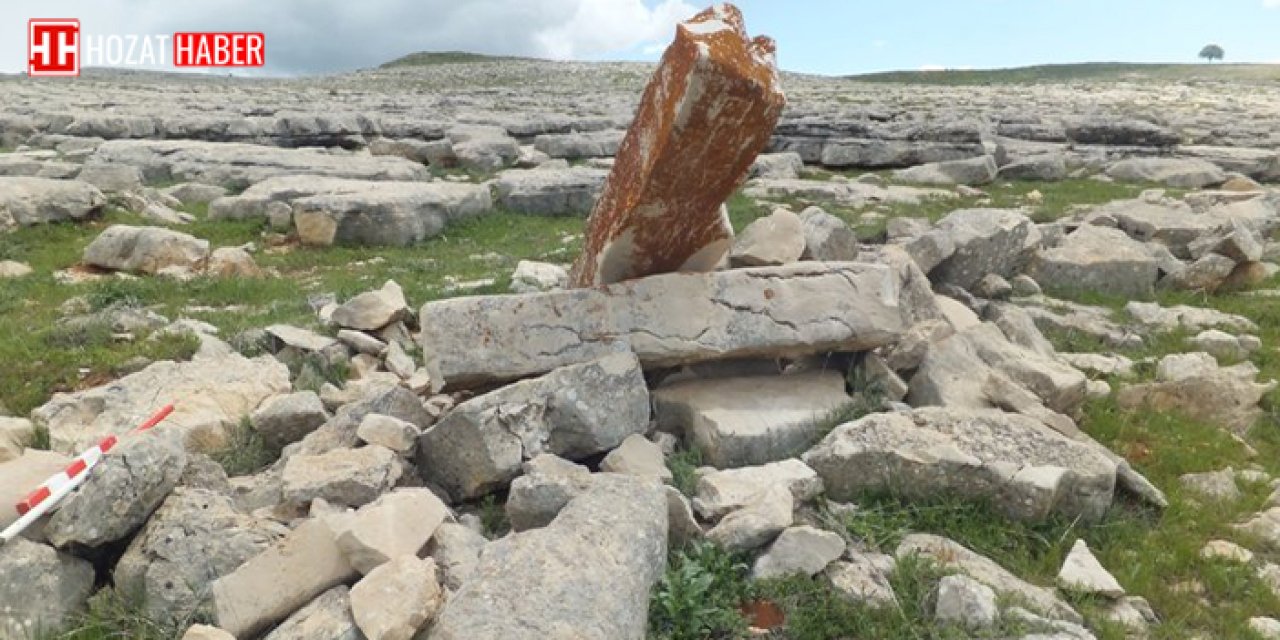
x=315 y=36
x=1271 y=4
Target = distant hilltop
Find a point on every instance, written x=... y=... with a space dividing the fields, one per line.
x=1087 y=71
x=430 y=58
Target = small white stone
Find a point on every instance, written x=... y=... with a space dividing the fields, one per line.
x=1082 y=573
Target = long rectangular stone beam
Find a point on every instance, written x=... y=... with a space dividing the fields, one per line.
x=672 y=319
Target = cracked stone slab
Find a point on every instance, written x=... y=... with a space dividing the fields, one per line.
x=766 y=312
x=1025 y=469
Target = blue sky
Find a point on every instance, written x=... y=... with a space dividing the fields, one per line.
x=857 y=36
x=817 y=36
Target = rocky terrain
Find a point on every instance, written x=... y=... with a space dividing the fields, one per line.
x=986 y=361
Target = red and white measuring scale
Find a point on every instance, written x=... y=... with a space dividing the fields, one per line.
x=48 y=494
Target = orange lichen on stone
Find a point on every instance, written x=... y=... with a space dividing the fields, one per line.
x=708 y=110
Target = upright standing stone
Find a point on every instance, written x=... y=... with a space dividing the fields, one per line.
x=710 y=107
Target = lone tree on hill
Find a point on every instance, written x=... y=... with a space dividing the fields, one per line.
x=1212 y=52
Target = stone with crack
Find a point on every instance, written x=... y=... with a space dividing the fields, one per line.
x=794 y=310
x=1026 y=470
x=574 y=412
x=709 y=109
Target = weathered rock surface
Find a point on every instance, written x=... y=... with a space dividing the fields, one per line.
x=1094 y=258
x=767 y=514
x=637 y=456
x=963 y=601
x=776 y=239
x=145 y=249
x=288 y=418
x=708 y=110
x=194 y=538
x=237 y=166
x=770 y=312
x=26 y=201
x=372 y=310
x=827 y=238
x=1025 y=469
x=275 y=583
x=1082 y=573
x=386 y=213
x=798 y=550
x=211 y=393
x=574 y=411
x=744 y=421
x=952 y=555
x=1182 y=173
x=587 y=574
x=396 y=599
x=327 y=616
x=986 y=241
x=969 y=171
x=120 y=493
x=42 y=588
x=550 y=192
x=397 y=524
x=350 y=477
x=721 y=492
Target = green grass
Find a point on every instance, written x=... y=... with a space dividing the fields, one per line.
x=1084 y=72
x=245 y=452
x=684 y=464
x=112 y=616
x=430 y=58
x=38 y=364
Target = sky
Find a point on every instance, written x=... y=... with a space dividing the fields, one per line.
x=834 y=37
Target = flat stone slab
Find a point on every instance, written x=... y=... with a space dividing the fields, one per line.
x=743 y=421
x=238 y=165
x=1016 y=463
x=25 y=201
x=767 y=312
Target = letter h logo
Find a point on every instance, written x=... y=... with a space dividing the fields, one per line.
x=53 y=47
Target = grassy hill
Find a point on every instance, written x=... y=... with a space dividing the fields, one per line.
x=430 y=58
x=1091 y=71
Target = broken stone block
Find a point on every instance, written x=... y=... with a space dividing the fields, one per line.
x=757 y=523
x=145 y=250
x=120 y=493
x=798 y=550
x=372 y=310
x=986 y=241
x=720 y=492
x=951 y=555
x=393 y=433
x=574 y=412
x=194 y=538
x=709 y=109
x=827 y=238
x=548 y=484
x=637 y=456
x=350 y=477
x=683 y=527
x=327 y=616
x=1082 y=573
x=399 y=523
x=788 y=311
x=1025 y=469
x=863 y=579
x=1095 y=258
x=289 y=418
x=587 y=574
x=456 y=551
x=776 y=239
x=966 y=602
x=42 y=588
x=397 y=599
x=743 y=421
